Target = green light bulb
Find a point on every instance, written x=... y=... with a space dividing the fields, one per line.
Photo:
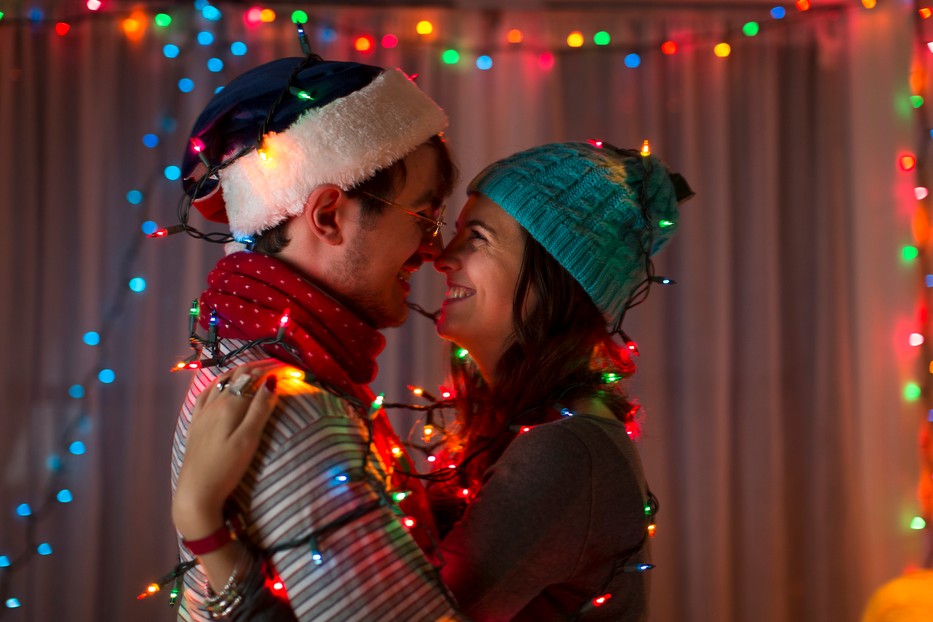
x=666 y=223
x=916 y=100
x=300 y=94
x=750 y=29
x=912 y=391
x=163 y=19
x=461 y=353
x=918 y=523
x=601 y=38
x=451 y=57
x=299 y=17
x=909 y=253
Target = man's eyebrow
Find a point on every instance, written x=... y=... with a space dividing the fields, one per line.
x=428 y=196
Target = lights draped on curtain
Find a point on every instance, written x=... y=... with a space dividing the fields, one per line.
x=774 y=433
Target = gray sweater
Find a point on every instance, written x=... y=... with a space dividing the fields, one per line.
x=559 y=511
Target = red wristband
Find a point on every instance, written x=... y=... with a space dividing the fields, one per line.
x=209 y=544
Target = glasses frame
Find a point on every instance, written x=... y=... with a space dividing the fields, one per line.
x=436 y=223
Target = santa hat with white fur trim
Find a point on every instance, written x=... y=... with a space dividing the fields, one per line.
x=276 y=132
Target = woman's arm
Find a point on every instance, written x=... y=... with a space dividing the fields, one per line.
x=223 y=437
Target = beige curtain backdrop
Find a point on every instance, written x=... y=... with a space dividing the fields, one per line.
x=775 y=435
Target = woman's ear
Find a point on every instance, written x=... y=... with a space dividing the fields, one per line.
x=325 y=213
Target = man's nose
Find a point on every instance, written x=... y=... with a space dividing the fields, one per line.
x=431 y=246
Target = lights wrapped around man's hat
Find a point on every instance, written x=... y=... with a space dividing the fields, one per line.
x=276 y=132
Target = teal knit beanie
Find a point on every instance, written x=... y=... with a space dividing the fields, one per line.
x=582 y=203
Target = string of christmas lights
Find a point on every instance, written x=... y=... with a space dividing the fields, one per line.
x=918 y=164
x=152 y=24
x=135 y=24
x=71 y=445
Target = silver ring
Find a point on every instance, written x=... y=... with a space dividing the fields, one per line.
x=221 y=386
x=240 y=386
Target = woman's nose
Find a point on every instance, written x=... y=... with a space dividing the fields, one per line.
x=447 y=260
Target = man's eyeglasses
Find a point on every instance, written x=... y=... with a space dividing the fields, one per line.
x=432 y=226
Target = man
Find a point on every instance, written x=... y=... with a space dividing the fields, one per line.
x=333 y=176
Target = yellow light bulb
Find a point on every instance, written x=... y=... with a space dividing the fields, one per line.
x=130 y=26
x=424 y=27
x=645 y=149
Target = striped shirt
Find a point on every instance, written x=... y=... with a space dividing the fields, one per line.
x=371 y=569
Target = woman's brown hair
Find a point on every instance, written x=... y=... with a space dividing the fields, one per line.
x=560 y=353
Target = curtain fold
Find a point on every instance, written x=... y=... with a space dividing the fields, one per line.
x=774 y=434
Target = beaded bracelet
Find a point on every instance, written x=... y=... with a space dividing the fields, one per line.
x=222 y=604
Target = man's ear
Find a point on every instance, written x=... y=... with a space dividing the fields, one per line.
x=325 y=213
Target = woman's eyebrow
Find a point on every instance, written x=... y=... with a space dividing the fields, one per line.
x=475 y=222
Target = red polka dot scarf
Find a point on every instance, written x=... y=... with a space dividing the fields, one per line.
x=250 y=292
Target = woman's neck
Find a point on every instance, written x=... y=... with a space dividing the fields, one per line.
x=593 y=406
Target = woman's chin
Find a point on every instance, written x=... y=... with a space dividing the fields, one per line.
x=447 y=332
x=442 y=328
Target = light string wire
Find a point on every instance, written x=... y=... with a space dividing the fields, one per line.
x=378 y=485
x=925 y=266
x=696 y=39
x=363 y=474
x=212 y=171
x=68 y=444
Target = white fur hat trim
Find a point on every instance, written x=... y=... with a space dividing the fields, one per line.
x=343 y=143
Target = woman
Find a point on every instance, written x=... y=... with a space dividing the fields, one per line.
x=547 y=513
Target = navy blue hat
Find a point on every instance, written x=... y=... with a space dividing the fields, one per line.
x=281 y=129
